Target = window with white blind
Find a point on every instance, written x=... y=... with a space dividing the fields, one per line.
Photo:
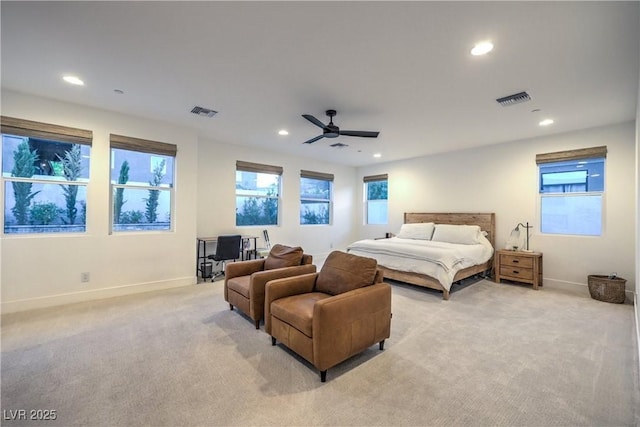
x=142 y=190
x=315 y=197
x=257 y=193
x=375 y=191
x=45 y=174
x=571 y=188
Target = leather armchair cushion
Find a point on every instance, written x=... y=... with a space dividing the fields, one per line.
x=343 y=272
x=297 y=310
x=240 y=285
x=283 y=256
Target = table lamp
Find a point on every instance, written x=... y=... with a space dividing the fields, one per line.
x=516 y=233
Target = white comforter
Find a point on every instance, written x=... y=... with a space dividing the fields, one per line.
x=439 y=260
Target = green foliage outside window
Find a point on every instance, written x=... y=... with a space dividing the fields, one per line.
x=377 y=190
x=312 y=217
x=44 y=213
x=151 y=204
x=258 y=211
x=132 y=217
x=83 y=213
x=72 y=168
x=24 y=161
x=119 y=197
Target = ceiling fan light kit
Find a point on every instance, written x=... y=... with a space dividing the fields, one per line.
x=332 y=131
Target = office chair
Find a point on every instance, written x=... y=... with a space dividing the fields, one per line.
x=263 y=252
x=227 y=248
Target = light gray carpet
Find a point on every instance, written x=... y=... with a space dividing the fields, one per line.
x=494 y=355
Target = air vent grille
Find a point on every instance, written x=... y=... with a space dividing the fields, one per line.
x=338 y=145
x=204 y=112
x=514 y=99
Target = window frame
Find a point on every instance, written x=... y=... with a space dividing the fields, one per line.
x=366 y=181
x=575 y=156
x=317 y=176
x=47 y=132
x=259 y=168
x=145 y=146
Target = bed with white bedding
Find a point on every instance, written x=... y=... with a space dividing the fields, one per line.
x=434 y=249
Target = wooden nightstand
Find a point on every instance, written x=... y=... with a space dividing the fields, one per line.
x=525 y=267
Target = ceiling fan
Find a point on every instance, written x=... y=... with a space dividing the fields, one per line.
x=332 y=131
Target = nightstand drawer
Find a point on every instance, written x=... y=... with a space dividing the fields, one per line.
x=516 y=272
x=515 y=260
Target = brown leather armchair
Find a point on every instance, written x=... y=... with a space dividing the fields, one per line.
x=245 y=281
x=329 y=316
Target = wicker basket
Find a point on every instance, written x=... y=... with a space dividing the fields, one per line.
x=607 y=289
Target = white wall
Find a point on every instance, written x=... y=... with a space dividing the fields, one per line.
x=39 y=271
x=503 y=179
x=216 y=198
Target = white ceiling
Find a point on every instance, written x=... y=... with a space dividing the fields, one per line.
x=401 y=68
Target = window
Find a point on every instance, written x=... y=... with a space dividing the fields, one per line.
x=375 y=190
x=315 y=197
x=142 y=177
x=257 y=193
x=571 y=191
x=45 y=173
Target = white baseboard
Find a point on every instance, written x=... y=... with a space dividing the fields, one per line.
x=93 y=294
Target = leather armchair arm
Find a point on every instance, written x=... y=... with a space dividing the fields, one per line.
x=259 y=281
x=348 y=323
x=243 y=268
x=286 y=287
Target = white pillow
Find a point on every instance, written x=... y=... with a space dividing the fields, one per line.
x=420 y=231
x=462 y=234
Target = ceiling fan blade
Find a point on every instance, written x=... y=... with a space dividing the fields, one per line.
x=312 y=140
x=362 y=133
x=314 y=120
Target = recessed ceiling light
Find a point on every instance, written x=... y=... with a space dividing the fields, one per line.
x=283 y=132
x=546 y=122
x=73 y=80
x=482 y=48
x=377 y=155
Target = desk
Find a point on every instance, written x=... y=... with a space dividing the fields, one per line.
x=246 y=249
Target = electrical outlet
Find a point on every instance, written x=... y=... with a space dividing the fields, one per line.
x=85 y=277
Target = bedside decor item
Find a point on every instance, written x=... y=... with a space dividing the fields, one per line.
x=515 y=236
x=607 y=288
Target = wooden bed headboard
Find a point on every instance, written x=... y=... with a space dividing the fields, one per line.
x=486 y=221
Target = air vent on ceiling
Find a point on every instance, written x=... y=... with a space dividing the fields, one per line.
x=205 y=112
x=338 y=145
x=514 y=99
